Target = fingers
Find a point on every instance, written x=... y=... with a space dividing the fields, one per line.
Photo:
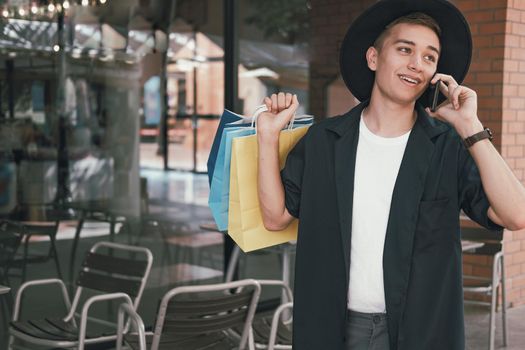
x=447 y=79
x=294 y=103
x=443 y=88
x=447 y=83
x=454 y=96
x=279 y=102
x=287 y=114
x=274 y=104
x=433 y=114
x=288 y=100
x=268 y=103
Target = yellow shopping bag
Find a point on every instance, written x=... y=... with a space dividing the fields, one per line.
x=245 y=225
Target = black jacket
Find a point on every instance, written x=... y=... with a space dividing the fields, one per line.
x=422 y=254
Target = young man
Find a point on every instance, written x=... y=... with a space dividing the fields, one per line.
x=378 y=190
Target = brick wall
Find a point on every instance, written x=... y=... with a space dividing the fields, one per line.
x=513 y=137
x=329 y=22
x=487 y=21
x=497 y=74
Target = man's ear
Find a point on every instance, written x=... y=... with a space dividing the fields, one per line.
x=371 y=58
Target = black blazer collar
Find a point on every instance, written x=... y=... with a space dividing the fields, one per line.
x=347 y=121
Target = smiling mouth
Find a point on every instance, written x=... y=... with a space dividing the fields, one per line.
x=409 y=80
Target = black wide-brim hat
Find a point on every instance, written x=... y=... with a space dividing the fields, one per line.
x=456 y=41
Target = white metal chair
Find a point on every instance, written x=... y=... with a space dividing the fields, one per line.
x=111 y=275
x=272 y=327
x=488 y=286
x=196 y=317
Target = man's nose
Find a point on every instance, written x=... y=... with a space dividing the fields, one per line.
x=415 y=63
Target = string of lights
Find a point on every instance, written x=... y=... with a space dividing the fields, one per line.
x=39 y=10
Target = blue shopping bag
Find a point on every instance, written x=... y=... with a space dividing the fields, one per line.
x=227 y=117
x=220 y=185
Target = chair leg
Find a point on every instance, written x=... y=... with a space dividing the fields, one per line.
x=493 y=301
x=503 y=302
x=112 y=223
x=4 y=309
x=167 y=247
x=54 y=251
x=24 y=260
x=72 y=257
x=10 y=342
x=232 y=264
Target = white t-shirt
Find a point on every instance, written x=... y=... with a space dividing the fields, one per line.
x=377 y=164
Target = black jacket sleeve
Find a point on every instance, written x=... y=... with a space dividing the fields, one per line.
x=292 y=177
x=472 y=198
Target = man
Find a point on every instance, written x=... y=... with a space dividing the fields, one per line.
x=378 y=190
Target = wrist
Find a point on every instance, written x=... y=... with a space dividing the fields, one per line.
x=468 y=129
x=268 y=138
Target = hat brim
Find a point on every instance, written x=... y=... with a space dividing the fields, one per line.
x=456 y=42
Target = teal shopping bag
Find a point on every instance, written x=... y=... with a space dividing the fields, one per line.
x=228 y=119
x=220 y=183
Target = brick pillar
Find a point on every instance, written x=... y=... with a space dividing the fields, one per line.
x=487 y=21
x=513 y=137
x=497 y=74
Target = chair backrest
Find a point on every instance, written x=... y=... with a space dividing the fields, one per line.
x=492 y=240
x=104 y=272
x=44 y=228
x=207 y=309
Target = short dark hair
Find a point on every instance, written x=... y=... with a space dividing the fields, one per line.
x=418 y=18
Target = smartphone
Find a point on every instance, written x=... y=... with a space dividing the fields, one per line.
x=434 y=95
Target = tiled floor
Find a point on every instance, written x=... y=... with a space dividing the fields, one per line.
x=185 y=254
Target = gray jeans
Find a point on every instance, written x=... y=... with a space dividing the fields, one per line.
x=366 y=331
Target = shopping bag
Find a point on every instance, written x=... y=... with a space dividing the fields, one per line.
x=227 y=118
x=218 y=199
x=220 y=184
x=245 y=225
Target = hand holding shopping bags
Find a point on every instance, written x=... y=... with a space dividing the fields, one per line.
x=245 y=224
x=233 y=172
